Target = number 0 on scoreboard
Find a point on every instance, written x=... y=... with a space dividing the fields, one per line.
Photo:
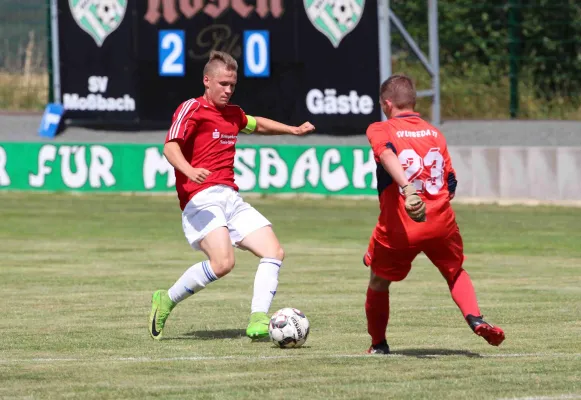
x=256 y=54
x=171 y=53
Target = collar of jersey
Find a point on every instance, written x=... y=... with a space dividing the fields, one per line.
x=407 y=115
x=203 y=102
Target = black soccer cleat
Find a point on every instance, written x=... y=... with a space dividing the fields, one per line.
x=494 y=335
x=380 y=348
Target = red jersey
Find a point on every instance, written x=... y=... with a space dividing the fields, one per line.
x=207 y=137
x=423 y=153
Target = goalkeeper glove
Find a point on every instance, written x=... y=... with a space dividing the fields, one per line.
x=414 y=205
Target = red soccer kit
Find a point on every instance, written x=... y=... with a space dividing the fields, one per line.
x=207 y=137
x=397 y=239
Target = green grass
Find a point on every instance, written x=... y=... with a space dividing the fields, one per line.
x=77 y=273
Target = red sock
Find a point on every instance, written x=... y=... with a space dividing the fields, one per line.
x=377 y=311
x=463 y=294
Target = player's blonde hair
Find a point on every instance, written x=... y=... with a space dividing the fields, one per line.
x=220 y=58
x=400 y=90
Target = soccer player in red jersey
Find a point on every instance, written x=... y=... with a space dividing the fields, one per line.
x=416 y=182
x=200 y=145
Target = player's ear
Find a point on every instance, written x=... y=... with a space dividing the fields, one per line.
x=384 y=107
x=206 y=81
x=388 y=106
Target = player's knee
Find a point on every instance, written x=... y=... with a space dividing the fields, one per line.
x=223 y=266
x=279 y=253
x=451 y=275
x=276 y=252
x=379 y=284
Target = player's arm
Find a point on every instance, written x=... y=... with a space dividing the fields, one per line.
x=183 y=124
x=414 y=205
x=392 y=165
x=384 y=150
x=452 y=183
x=173 y=152
x=450 y=174
x=268 y=126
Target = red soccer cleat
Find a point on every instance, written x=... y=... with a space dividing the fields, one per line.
x=492 y=334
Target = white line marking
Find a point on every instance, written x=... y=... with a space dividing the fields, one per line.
x=563 y=396
x=296 y=356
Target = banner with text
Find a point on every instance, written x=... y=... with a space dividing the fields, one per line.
x=322 y=170
x=537 y=173
x=299 y=61
x=131 y=63
x=97 y=61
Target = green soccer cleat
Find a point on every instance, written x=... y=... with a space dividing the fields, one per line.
x=161 y=306
x=258 y=326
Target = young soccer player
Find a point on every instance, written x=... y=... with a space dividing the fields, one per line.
x=200 y=145
x=416 y=182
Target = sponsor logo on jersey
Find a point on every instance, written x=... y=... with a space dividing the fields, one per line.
x=225 y=138
x=228 y=138
x=417 y=134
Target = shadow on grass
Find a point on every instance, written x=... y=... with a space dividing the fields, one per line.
x=433 y=353
x=223 y=334
x=211 y=335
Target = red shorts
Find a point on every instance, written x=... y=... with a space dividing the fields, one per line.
x=394 y=264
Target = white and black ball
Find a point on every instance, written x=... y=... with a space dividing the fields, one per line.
x=288 y=327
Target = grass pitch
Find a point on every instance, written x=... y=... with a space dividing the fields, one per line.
x=77 y=274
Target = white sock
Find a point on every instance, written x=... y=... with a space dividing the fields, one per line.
x=265 y=284
x=192 y=281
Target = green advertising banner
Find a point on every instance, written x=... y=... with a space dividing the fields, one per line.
x=325 y=170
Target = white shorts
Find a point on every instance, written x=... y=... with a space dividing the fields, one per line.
x=218 y=206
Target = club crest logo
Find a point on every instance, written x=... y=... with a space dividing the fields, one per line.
x=334 y=18
x=99 y=18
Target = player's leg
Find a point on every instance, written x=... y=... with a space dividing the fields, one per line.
x=204 y=225
x=264 y=244
x=386 y=265
x=448 y=256
x=217 y=247
x=377 y=313
x=250 y=230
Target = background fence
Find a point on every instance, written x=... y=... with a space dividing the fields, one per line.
x=499 y=58
x=23 y=54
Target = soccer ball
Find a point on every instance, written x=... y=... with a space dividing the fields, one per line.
x=108 y=11
x=343 y=11
x=288 y=327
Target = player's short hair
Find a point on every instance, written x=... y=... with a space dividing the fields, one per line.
x=220 y=58
x=400 y=90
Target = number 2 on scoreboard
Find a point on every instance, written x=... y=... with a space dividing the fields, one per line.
x=171 y=53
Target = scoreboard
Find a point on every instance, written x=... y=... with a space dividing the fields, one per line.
x=130 y=63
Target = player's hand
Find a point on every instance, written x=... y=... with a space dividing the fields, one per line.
x=414 y=205
x=305 y=128
x=199 y=175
